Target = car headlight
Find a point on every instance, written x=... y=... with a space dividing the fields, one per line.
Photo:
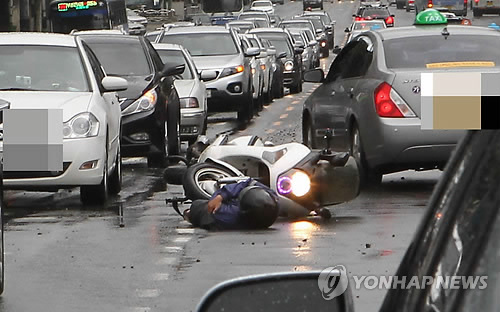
x=83 y=125
x=228 y=71
x=145 y=103
x=288 y=65
x=189 y=102
x=298 y=183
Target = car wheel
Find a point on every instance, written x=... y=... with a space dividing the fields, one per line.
x=97 y=194
x=115 y=181
x=2 y=252
x=245 y=111
x=368 y=177
x=308 y=134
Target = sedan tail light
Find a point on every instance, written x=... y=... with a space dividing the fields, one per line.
x=359 y=18
x=389 y=104
x=389 y=20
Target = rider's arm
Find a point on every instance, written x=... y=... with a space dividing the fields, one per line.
x=231 y=191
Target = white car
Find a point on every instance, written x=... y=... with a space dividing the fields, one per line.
x=56 y=72
x=192 y=91
x=263 y=5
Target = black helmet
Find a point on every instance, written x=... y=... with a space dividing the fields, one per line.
x=258 y=208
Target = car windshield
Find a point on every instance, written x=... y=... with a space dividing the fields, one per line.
x=375 y=13
x=297 y=24
x=261 y=4
x=282 y=45
x=316 y=22
x=410 y=53
x=359 y=26
x=42 y=68
x=218 y=6
x=202 y=44
x=176 y=57
x=131 y=60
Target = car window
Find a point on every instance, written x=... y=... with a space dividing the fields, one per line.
x=157 y=61
x=176 y=57
x=43 y=68
x=97 y=69
x=202 y=44
x=461 y=246
x=282 y=45
x=375 y=13
x=254 y=42
x=410 y=53
x=124 y=58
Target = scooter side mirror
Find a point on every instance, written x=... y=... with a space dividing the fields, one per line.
x=287 y=291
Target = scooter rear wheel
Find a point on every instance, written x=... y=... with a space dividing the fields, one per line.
x=200 y=180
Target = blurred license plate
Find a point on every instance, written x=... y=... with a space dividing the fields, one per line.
x=209 y=93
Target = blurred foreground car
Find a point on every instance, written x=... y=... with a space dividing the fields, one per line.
x=150 y=106
x=371 y=95
x=49 y=71
x=457 y=239
x=192 y=91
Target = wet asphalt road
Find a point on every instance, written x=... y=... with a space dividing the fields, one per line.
x=136 y=254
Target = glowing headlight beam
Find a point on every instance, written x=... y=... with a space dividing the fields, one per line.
x=301 y=184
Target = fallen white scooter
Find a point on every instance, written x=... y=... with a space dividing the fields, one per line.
x=305 y=179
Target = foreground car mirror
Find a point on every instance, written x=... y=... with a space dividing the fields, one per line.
x=252 y=52
x=314 y=75
x=111 y=84
x=336 y=50
x=289 y=291
x=208 y=75
x=170 y=69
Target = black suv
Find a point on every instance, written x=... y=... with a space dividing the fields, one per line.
x=311 y=4
x=150 y=106
x=369 y=12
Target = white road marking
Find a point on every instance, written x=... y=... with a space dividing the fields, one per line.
x=165 y=261
x=161 y=276
x=283 y=116
x=148 y=293
x=139 y=309
x=182 y=239
x=173 y=249
x=277 y=123
x=185 y=231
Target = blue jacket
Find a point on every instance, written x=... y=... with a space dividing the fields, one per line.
x=228 y=214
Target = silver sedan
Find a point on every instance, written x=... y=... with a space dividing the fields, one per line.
x=371 y=95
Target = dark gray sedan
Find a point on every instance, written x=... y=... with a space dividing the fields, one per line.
x=371 y=95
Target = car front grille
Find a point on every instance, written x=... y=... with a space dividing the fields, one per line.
x=35 y=174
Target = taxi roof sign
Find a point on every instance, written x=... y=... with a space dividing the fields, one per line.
x=430 y=17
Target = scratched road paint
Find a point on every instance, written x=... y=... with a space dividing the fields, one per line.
x=290 y=108
x=161 y=276
x=185 y=231
x=166 y=261
x=182 y=240
x=277 y=123
x=295 y=102
x=148 y=293
x=138 y=309
x=173 y=249
x=283 y=116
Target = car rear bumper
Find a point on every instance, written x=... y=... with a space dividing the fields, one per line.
x=400 y=144
x=192 y=123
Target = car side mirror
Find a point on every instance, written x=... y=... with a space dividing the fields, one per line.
x=336 y=50
x=286 y=291
x=206 y=75
x=300 y=44
x=329 y=27
x=111 y=84
x=271 y=51
x=347 y=30
x=312 y=43
x=252 y=52
x=263 y=54
x=298 y=50
x=314 y=75
x=172 y=69
x=282 y=55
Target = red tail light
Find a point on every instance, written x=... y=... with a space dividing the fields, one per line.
x=413 y=1
x=389 y=20
x=359 y=18
x=429 y=4
x=465 y=2
x=384 y=105
x=476 y=1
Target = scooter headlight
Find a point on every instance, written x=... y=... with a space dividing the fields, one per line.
x=298 y=183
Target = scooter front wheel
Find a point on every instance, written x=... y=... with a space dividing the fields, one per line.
x=200 y=180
